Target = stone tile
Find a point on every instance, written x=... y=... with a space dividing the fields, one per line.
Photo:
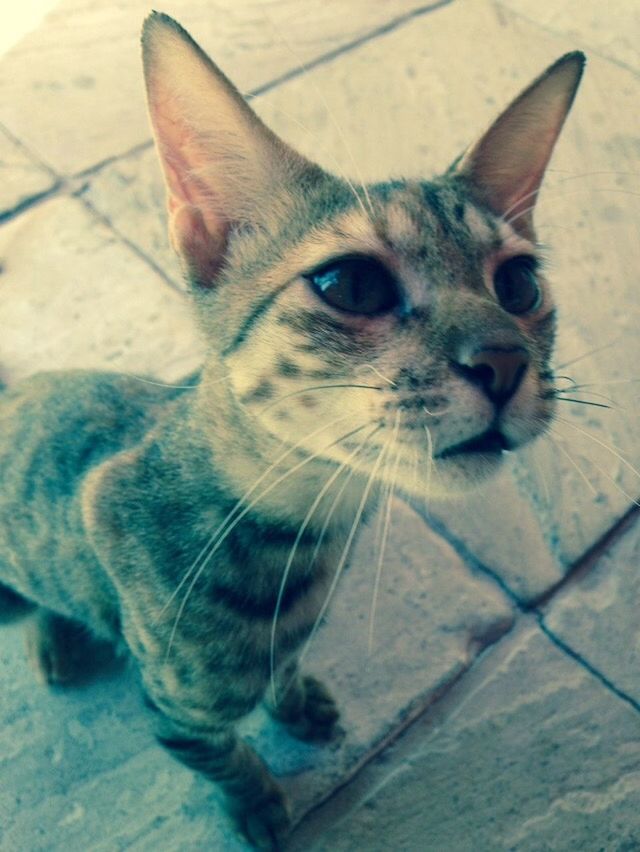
x=72 y=89
x=20 y=177
x=533 y=754
x=597 y=615
x=611 y=31
x=555 y=499
x=72 y=295
x=81 y=764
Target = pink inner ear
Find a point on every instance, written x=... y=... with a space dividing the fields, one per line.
x=197 y=232
x=201 y=250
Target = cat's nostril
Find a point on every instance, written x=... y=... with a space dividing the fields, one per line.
x=499 y=372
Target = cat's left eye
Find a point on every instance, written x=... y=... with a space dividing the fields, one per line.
x=516 y=284
x=358 y=285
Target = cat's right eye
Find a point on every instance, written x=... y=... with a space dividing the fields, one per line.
x=357 y=285
x=516 y=285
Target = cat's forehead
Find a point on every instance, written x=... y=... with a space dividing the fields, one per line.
x=421 y=224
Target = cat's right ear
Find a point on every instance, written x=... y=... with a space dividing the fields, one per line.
x=222 y=165
x=506 y=166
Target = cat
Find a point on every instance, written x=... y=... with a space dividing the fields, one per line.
x=349 y=331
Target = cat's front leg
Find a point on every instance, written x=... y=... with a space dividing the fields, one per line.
x=252 y=795
x=195 y=715
x=302 y=704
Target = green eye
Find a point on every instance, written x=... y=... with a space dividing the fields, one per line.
x=516 y=285
x=357 y=285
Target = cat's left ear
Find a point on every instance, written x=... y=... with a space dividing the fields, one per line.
x=222 y=166
x=506 y=166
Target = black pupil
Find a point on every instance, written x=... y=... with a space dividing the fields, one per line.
x=516 y=285
x=358 y=285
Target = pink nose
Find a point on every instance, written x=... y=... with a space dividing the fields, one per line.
x=498 y=372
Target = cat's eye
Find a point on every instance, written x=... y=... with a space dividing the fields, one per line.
x=516 y=285
x=358 y=285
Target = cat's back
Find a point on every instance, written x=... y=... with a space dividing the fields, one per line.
x=54 y=428
x=54 y=425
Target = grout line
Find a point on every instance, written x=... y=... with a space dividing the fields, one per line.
x=325 y=58
x=583 y=565
x=582 y=661
x=127 y=242
x=29 y=153
x=107 y=161
x=423 y=711
x=588 y=560
x=31 y=201
x=468 y=557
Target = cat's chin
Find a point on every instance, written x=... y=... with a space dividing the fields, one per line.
x=458 y=475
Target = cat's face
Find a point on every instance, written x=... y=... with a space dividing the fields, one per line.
x=417 y=315
x=403 y=329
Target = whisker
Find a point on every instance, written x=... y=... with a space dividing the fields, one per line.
x=585 y=402
x=591 y=352
x=337 y=127
x=166 y=384
x=615 y=451
x=604 y=382
x=558 y=446
x=285 y=396
x=588 y=392
x=330 y=513
x=346 y=549
x=240 y=516
x=294 y=549
x=383 y=542
x=606 y=475
x=564 y=194
x=552 y=189
x=377 y=372
x=239 y=505
x=429 y=462
x=543 y=478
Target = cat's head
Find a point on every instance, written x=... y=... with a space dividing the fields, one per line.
x=411 y=317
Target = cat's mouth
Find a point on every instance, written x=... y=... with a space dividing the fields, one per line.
x=491 y=442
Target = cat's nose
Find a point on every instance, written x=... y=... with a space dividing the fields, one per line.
x=498 y=371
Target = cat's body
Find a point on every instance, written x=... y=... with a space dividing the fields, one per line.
x=355 y=338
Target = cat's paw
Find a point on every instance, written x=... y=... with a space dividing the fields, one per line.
x=318 y=716
x=265 y=824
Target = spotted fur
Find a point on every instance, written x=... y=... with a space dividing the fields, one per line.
x=200 y=528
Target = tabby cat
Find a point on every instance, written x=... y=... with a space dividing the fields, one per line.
x=350 y=330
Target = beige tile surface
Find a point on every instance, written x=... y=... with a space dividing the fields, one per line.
x=71 y=295
x=610 y=29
